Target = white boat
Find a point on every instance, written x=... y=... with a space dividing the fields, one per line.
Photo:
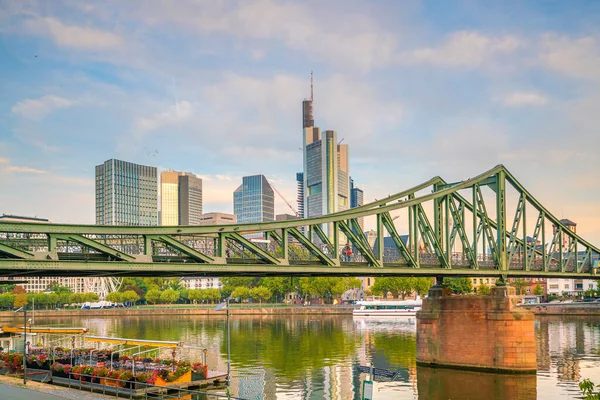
x=380 y=308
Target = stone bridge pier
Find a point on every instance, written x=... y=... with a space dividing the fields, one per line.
x=487 y=333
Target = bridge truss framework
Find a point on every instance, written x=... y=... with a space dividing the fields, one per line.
x=489 y=225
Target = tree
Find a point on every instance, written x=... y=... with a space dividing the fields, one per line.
x=129 y=296
x=195 y=295
x=230 y=283
x=459 y=285
x=519 y=284
x=241 y=292
x=90 y=297
x=18 y=290
x=538 y=290
x=20 y=300
x=7 y=300
x=261 y=293
x=153 y=296
x=115 y=297
x=484 y=289
x=75 y=298
x=212 y=295
x=140 y=292
x=278 y=285
x=56 y=288
x=169 y=296
x=422 y=285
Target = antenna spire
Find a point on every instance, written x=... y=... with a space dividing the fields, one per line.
x=311 y=87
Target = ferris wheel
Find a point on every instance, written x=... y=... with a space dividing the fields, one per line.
x=102 y=286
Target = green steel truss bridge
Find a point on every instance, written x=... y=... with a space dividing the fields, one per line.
x=489 y=225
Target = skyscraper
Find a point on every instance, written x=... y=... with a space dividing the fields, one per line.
x=126 y=194
x=326 y=169
x=300 y=193
x=254 y=200
x=180 y=198
x=357 y=200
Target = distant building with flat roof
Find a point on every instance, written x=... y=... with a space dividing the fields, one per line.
x=254 y=200
x=216 y=218
x=180 y=198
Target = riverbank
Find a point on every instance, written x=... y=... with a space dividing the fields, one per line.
x=570 y=309
x=538 y=309
x=175 y=311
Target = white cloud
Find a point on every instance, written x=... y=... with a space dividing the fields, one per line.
x=521 y=99
x=38 y=108
x=578 y=58
x=175 y=114
x=354 y=40
x=465 y=49
x=72 y=36
x=7 y=168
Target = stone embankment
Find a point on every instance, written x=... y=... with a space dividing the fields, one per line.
x=568 y=309
x=172 y=311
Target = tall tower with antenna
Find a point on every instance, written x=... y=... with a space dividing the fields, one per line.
x=308 y=119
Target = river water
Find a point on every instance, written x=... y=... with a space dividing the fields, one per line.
x=319 y=357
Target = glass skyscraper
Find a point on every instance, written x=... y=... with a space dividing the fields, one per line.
x=180 y=198
x=126 y=194
x=254 y=200
x=326 y=186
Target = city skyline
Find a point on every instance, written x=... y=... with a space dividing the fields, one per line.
x=445 y=90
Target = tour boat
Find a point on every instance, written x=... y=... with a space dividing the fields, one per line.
x=378 y=308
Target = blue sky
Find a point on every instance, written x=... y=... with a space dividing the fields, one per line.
x=416 y=88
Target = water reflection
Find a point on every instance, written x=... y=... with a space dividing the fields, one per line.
x=320 y=357
x=440 y=383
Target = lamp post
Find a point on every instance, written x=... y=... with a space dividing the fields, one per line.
x=72 y=348
x=174 y=354
x=228 y=349
x=25 y=345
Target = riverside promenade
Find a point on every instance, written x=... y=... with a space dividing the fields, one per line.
x=13 y=389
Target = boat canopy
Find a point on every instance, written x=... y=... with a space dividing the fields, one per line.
x=136 y=342
x=45 y=329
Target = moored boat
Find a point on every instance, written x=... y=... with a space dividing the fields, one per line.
x=394 y=308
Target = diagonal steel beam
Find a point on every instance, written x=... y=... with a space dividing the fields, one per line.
x=427 y=231
x=365 y=251
x=460 y=229
x=387 y=221
x=119 y=255
x=236 y=237
x=314 y=249
x=184 y=248
x=17 y=253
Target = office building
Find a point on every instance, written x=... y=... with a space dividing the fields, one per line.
x=217 y=219
x=300 y=193
x=254 y=200
x=201 y=283
x=326 y=178
x=126 y=194
x=357 y=200
x=180 y=198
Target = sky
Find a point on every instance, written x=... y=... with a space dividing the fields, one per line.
x=415 y=88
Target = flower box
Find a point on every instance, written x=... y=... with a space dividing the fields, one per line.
x=187 y=377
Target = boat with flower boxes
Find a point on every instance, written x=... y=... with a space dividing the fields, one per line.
x=125 y=367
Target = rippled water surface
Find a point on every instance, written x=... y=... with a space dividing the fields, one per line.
x=319 y=357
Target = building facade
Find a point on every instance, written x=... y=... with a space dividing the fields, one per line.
x=326 y=173
x=217 y=219
x=300 y=193
x=201 y=283
x=254 y=200
x=180 y=198
x=569 y=287
x=357 y=200
x=126 y=194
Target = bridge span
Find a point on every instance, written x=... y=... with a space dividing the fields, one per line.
x=488 y=225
